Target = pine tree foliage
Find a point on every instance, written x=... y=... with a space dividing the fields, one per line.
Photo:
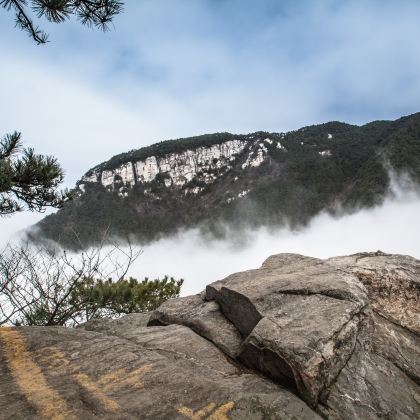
x=99 y=298
x=96 y=298
x=28 y=180
x=49 y=286
x=93 y=13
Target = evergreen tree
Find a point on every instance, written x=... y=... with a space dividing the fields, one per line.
x=45 y=286
x=27 y=180
x=95 y=298
x=96 y=13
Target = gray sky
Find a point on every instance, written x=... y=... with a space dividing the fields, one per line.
x=175 y=68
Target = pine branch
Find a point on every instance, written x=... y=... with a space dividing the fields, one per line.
x=23 y=21
x=97 y=13
x=56 y=11
x=29 y=180
x=9 y=145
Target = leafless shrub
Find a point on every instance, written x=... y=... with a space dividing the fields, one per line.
x=38 y=283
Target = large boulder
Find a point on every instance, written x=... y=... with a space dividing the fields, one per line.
x=298 y=338
x=341 y=333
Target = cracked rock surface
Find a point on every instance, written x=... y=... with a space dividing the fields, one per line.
x=342 y=334
x=298 y=338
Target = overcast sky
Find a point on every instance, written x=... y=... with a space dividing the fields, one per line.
x=175 y=68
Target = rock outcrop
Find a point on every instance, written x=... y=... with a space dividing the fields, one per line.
x=298 y=338
x=177 y=169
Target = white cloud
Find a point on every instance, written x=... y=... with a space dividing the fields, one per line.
x=13 y=227
x=62 y=117
x=392 y=227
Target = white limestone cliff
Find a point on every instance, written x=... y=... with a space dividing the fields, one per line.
x=177 y=168
x=256 y=157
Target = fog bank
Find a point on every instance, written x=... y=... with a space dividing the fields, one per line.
x=393 y=227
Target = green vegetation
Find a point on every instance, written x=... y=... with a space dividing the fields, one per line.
x=27 y=180
x=163 y=148
x=37 y=286
x=404 y=149
x=92 y=298
x=290 y=187
x=43 y=286
x=30 y=180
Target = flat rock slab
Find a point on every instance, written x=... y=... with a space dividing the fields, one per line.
x=143 y=373
x=203 y=317
x=299 y=318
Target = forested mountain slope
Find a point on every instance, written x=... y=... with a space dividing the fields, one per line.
x=222 y=181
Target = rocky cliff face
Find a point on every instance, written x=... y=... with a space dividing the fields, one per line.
x=203 y=164
x=298 y=338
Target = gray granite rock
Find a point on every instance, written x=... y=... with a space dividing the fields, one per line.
x=203 y=317
x=132 y=373
x=308 y=323
x=298 y=338
x=302 y=318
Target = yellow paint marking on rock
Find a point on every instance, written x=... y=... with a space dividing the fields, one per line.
x=120 y=378
x=54 y=359
x=221 y=412
x=93 y=388
x=198 y=415
x=113 y=376
x=185 y=411
x=207 y=412
x=29 y=377
x=57 y=362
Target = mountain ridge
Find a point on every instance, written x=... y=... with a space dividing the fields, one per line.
x=222 y=179
x=203 y=139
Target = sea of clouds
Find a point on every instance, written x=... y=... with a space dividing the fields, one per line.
x=393 y=227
